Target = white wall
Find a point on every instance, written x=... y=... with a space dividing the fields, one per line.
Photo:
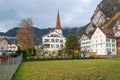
x=99 y=43
x=3 y=45
x=85 y=43
x=12 y=47
x=55 y=42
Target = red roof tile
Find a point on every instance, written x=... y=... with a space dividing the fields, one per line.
x=108 y=32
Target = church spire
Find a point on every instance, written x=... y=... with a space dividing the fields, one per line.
x=58 y=25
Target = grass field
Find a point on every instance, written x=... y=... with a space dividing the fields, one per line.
x=97 y=69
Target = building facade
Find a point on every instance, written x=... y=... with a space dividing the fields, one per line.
x=12 y=47
x=85 y=43
x=55 y=40
x=103 y=42
x=3 y=44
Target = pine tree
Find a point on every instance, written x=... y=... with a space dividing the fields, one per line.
x=72 y=44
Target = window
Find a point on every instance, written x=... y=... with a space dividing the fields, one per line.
x=47 y=45
x=113 y=50
x=46 y=40
x=57 y=46
x=106 y=45
x=54 y=35
x=61 y=40
x=2 y=48
x=57 y=40
x=52 y=46
x=52 y=40
x=107 y=40
x=113 y=45
x=109 y=50
x=113 y=40
x=109 y=45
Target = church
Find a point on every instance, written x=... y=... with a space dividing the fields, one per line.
x=54 y=41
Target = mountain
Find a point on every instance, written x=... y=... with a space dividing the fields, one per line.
x=103 y=15
x=40 y=32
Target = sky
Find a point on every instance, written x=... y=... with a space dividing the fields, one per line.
x=73 y=13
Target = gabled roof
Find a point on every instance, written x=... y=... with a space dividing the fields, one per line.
x=107 y=32
x=1 y=39
x=87 y=35
x=53 y=32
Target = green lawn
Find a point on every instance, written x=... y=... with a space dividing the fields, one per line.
x=97 y=69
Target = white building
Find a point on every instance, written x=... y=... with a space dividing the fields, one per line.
x=6 y=47
x=55 y=40
x=3 y=44
x=12 y=47
x=85 y=42
x=103 y=42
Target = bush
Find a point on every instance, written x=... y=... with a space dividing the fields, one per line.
x=93 y=56
x=14 y=54
x=54 y=54
x=28 y=52
x=76 y=52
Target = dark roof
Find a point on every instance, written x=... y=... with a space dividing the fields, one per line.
x=108 y=32
x=89 y=36
x=117 y=37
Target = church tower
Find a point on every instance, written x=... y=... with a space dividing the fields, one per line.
x=58 y=25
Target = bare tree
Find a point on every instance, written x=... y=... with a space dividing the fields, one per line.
x=25 y=35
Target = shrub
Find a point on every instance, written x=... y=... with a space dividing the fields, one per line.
x=93 y=56
x=76 y=52
x=30 y=52
x=13 y=54
x=54 y=54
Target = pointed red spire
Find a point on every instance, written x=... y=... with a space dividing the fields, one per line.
x=58 y=25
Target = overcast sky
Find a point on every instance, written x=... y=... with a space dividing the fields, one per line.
x=43 y=12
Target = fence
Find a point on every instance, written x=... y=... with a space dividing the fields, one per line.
x=9 y=67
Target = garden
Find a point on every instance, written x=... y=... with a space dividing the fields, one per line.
x=94 y=69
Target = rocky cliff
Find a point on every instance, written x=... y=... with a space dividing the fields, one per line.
x=103 y=14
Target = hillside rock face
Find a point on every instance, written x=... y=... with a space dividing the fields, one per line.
x=103 y=13
x=116 y=27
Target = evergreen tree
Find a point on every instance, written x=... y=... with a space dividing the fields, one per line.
x=72 y=44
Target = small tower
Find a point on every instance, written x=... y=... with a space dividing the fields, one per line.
x=58 y=25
